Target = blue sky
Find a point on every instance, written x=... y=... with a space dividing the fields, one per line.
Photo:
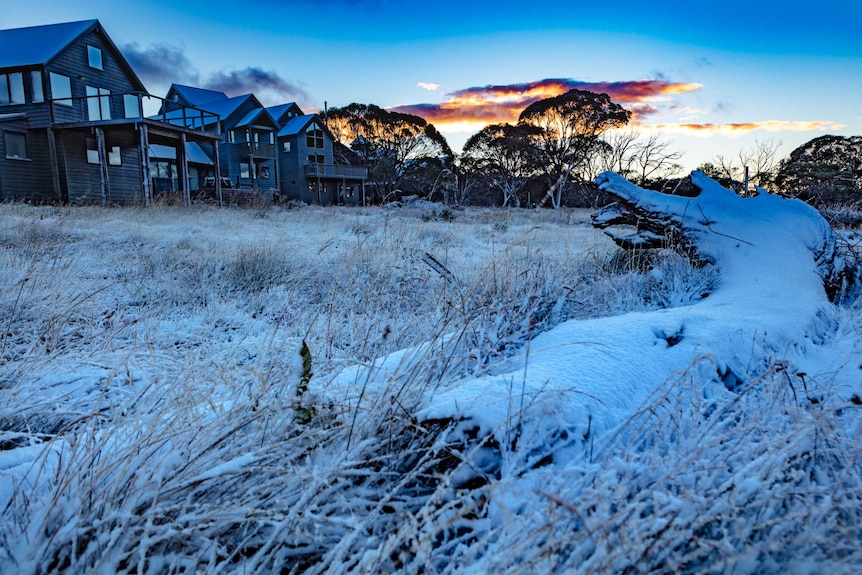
x=720 y=75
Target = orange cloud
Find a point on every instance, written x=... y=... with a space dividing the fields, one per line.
x=504 y=103
x=738 y=129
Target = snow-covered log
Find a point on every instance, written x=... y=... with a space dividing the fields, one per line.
x=719 y=226
x=585 y=377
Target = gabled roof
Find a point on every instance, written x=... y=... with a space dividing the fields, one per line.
x=38 y=45
x=253 y=116
x=278 y=111
x=225 y=108
x=197 y=96
x=297 y=125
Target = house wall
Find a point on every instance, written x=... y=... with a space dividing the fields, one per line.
x=38 y=113
x=73 y=62
x=82 y=181
x=231 y=154
x=294 y=183
x=26 y=179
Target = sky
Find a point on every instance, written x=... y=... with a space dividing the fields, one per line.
x=712 y=78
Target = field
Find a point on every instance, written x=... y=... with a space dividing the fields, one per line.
x=249 y=391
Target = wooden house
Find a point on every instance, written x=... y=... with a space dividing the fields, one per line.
x=308 y=168
x=247 y=146
x=77 y=125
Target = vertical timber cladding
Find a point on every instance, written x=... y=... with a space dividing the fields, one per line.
x=84 y=168
x=26 y=178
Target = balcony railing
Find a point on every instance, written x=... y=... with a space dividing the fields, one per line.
x=335 y=171
x=131 y=106
x=247 y=149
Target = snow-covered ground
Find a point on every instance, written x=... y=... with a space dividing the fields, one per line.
x=492 y=391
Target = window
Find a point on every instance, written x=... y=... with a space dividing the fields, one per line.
x=16 y=145
x=94 y=57
x=92 y=151
x=263 y=171
x=314 y=135
x=38 y=90
x=285 y=146
x=244 y=170
x=231 y=136
x=316 y=159
x=61 y=89
x=12 y=89
x=114 y=155
x=132 y=106
x=98 y=103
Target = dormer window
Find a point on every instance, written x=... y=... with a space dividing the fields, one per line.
x=94 y=57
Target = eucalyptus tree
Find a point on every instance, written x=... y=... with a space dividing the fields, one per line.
x=392 y=145
x=823 y=171
x=570 y=126
x=503 y=157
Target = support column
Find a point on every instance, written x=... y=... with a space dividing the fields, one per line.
x=217 y=168
x=145 y=166
x=184 y=167
x=103 y=166
x=55 y=169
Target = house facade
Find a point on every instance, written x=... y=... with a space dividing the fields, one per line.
x=77 y=125
x=247 y=145
x=308 y=167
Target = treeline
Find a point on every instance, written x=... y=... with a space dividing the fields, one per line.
x=553 y=153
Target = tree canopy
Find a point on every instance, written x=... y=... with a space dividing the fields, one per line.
x=392 y=145
x=825 y=170
x=504 y=157
x=570 y=125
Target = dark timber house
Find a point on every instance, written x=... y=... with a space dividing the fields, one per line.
x=77 y=125
x=247 y=145
x=302 y=166
x=308 y=169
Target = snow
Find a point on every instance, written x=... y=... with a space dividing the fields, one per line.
x=598 y=372
x=150 y=421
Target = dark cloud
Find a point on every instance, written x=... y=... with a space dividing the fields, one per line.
x=160 y=64
x=266 y=85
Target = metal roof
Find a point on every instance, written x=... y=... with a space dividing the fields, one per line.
x=296 y=125
x=196 y=96
x=37 y=45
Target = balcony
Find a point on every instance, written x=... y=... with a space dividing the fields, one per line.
x=336 y=171
x=249 y=149
x=122 y=108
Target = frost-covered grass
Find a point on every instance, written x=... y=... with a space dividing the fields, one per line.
x=150 y=420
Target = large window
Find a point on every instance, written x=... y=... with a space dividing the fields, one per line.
x=244 y=170
x=94 y=57
x=12 y=89
x=98 y=103
x=314 y=135
x=16 y=145
x=61 y=89
x=38 y=90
